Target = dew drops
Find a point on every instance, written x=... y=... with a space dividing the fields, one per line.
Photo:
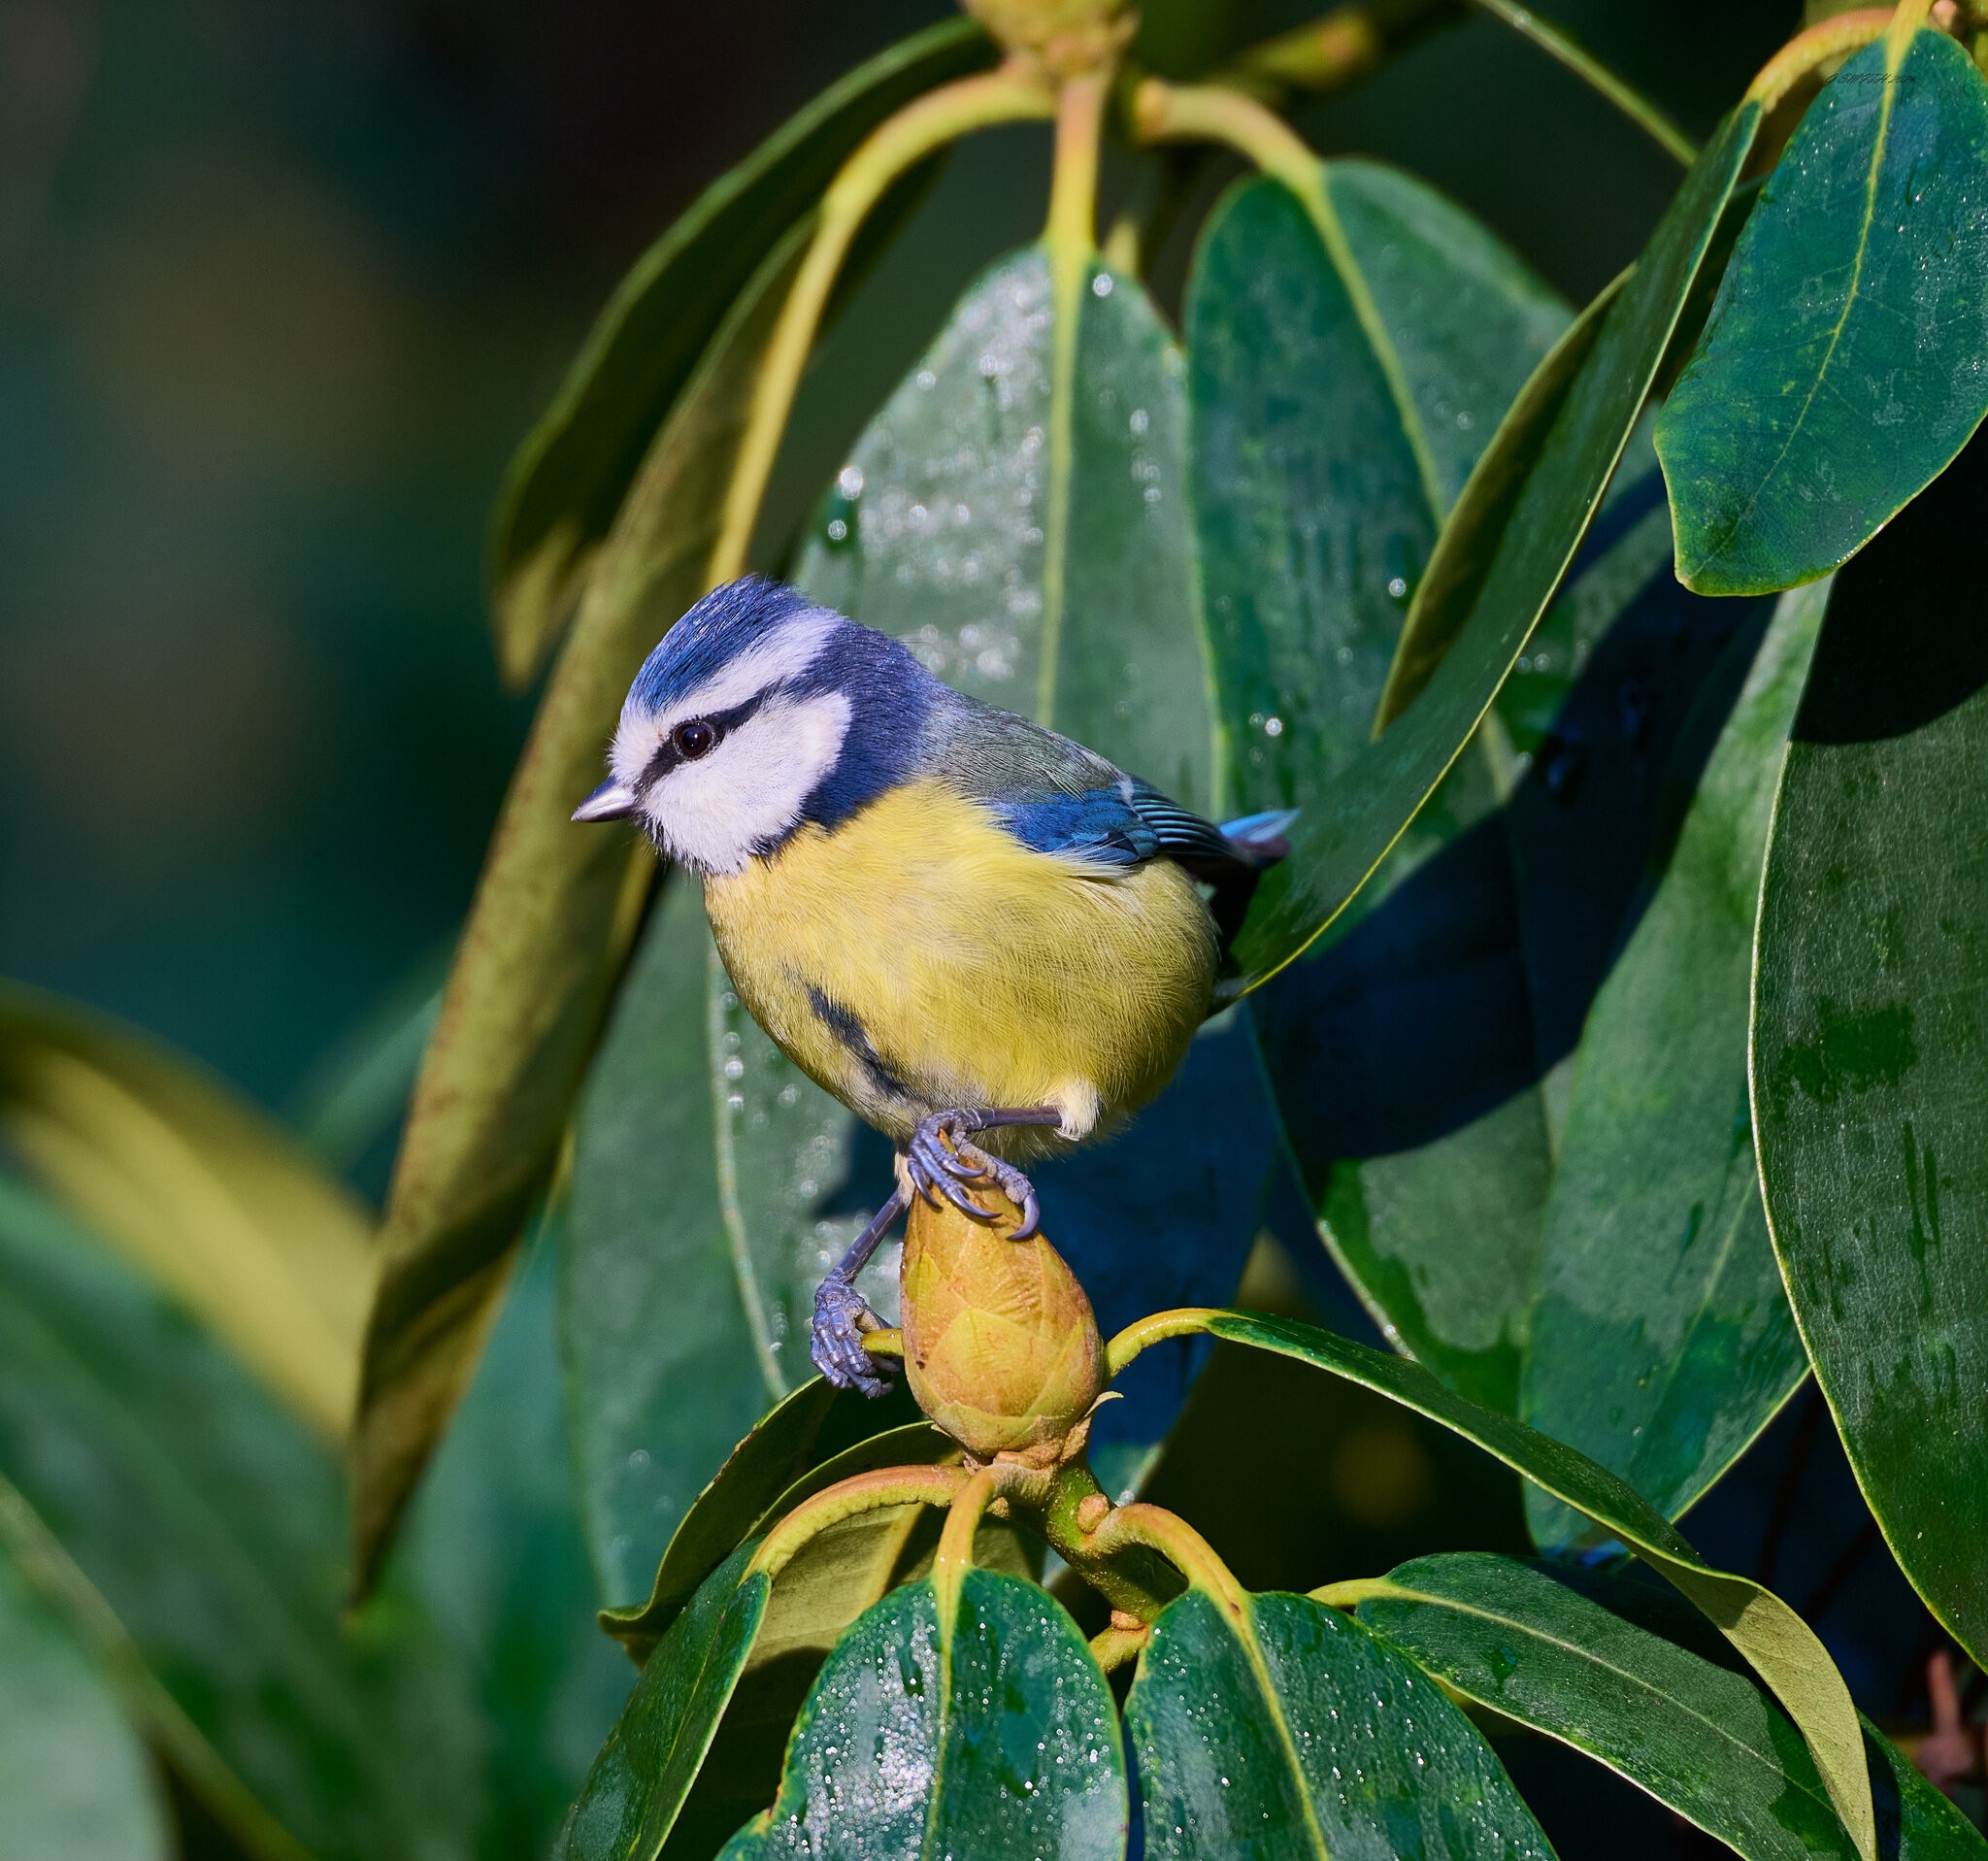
x=1101 y=286
x=1398 y=586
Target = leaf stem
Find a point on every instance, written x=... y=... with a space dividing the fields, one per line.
x=1012 y=93
x=1212 y=112
x=1354 y=1592
x=1181 y=1322
x=1336 y=49
x=1156 y=1529
x=1830 y=38
x=1071 y=240
x=1573 y=56
x=1111 y=1647
x=861 y=1494
x=1137 y=1585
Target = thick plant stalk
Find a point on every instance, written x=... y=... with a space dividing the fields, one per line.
x=1070 y=238
x=1336 y=49
x=1835 y=38
x=1164 y=113
x=1014 y=93
x=849 y=1498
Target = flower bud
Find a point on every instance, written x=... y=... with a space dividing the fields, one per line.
x=1065 y=37
x=1000 y=1348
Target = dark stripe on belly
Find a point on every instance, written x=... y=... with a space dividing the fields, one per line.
x=849 y=1031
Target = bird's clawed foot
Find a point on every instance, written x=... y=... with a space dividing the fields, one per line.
x=942 y=1159
x=841 y=1318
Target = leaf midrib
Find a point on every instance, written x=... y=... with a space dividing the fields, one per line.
x=1850 y=300
x=1635 y=1679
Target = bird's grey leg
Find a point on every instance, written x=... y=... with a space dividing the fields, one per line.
x=841 y=1317
x=942 y=1158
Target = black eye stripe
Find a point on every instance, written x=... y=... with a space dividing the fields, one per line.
x=667 y=757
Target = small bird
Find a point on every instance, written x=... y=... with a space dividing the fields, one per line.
x=960 y=924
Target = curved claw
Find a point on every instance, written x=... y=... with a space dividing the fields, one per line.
x=841 y=1318
x=1019 y=1190
x=940 y=1158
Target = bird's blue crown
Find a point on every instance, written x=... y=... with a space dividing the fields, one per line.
x=725 y=623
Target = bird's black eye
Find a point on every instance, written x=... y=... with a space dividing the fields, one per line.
x=694 y=739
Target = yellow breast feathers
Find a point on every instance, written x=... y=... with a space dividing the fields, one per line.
x=921 y=958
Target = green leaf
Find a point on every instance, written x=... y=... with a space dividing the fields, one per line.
x=1660 y=1340
x=764 y=1467
x=1502 y=555
x=1272 y=1727
x=1616 y=1669
x=1915 y=1822
x=546 y=939
x=637 y=1787
x=567 y=482
x=1846 y=358
x=1783 y=1651
x=961 y=1717
x=76 y=1779
x=1870 y=1027
x=698 y=1746
x=1597 y=1663
x=1340 y=394
x=201 y=1529
x=1343 y=377
x=197 y=1189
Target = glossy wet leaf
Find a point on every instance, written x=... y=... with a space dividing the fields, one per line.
x=637 y=1787
x=546 y=939
x=946 y=514
x=1846 y=358
x=1342 y=389
x=201 y=1191
x=955 y=1718
x=1660 y=1339
x=1503 y=552
x=1341 y=395
x=208 y=1527
x=568 y=477
x=75 y=1778
x=698 y=1746
x=1273 y=1727
x=787 y=1442
x=1870 y=1029
x=1621 y=1672
x=1780 y=1647
x=1326 y=453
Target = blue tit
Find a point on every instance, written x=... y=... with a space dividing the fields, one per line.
x=960 y=924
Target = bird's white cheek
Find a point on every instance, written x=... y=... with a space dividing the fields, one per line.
x=716 y=814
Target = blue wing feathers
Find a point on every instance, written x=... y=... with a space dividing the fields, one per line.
x=1097 y=825
x=1115 y=828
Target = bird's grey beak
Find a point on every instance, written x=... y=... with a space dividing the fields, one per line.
x=611 y=801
